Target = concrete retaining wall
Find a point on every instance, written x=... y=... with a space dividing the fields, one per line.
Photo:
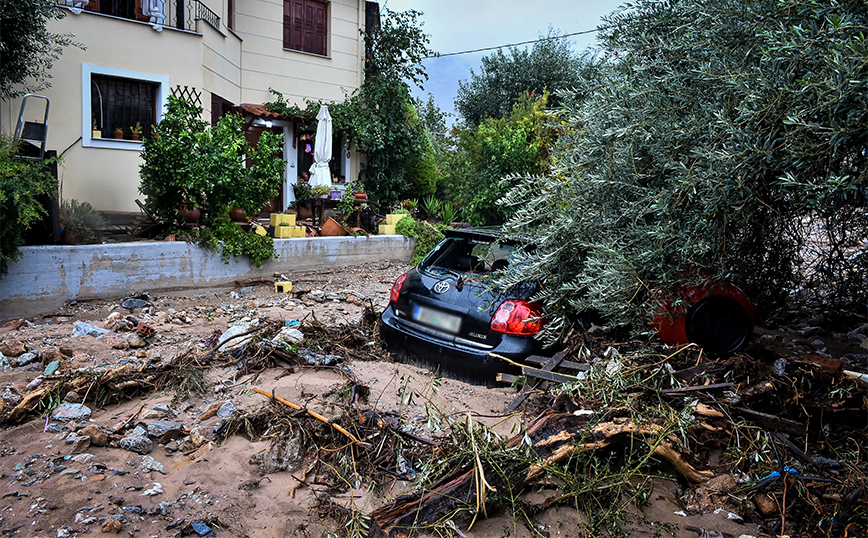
x=46 y=277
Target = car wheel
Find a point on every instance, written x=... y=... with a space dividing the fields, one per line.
x=719 y=324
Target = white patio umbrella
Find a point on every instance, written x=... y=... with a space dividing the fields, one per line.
x=322 y=150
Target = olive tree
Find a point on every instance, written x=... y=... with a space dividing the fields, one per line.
x=722 y=140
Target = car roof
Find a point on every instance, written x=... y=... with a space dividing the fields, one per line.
x=486 y=234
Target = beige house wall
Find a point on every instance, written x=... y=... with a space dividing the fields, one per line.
x=239 y=66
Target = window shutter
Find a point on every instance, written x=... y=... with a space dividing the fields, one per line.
x=305 y=26
x=319 y=28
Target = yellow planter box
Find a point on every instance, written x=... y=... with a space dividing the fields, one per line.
x=283 y=232
x=298 y=231
x=277 y=219
x=393 y=218
x=387 y=229
x=282 y=287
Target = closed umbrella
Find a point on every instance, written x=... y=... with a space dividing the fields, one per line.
x=322 y=151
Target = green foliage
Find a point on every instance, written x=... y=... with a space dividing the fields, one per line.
x=717 y=141
x=432 y=206
x=21 y=182
x=230 y=239
x=187 y=162
x=408 y=227
x=420 y=169
x=551 y=65
x=81 y=222
x=492 y=154
x=427 y=236
x=27 y=48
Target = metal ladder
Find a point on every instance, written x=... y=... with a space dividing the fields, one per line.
x=31 y=136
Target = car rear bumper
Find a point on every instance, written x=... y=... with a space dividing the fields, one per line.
x=424 y=347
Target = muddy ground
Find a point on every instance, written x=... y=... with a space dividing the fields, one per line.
x=195 y=479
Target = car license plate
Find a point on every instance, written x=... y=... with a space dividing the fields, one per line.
x=435 y=318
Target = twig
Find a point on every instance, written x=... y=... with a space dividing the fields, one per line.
x=313 y=414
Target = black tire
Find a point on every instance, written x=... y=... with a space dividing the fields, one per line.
x=719 y=324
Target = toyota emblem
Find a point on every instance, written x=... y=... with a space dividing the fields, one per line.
x=441 y=287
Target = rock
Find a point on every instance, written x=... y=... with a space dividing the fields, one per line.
x=4 y=363
x=71 y=411
x=112 y=526
x=115 y=341
x=51 y=368
x=137 y=441
x=165 y=430
x=81 y=328
x=155 y=489
x=26 y=358
x=210 y=412
x=97 y=436
x=135 y=341
x=131 y=303
x=80 y=443
x=84 y=459
x=12 y=348
x=35 y=383
x=227 y=410
x=812 y=331
x=765 y=505
x=200 y=528
x=72 y=397
x=317 y=296
x=149 y=464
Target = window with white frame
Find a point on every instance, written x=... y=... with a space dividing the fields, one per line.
x=119 y=106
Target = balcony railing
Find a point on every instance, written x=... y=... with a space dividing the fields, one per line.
x=180 y=14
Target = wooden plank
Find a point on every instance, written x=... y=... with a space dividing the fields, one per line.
x=506 y=378
x=548 y=376
x=531 y=385
x=567 y=365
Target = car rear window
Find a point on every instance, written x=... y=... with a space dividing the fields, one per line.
x=457 y=256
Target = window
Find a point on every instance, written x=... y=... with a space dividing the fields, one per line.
x=305 y=26
x=114 y=101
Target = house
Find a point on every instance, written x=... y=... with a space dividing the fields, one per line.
x=221 y=54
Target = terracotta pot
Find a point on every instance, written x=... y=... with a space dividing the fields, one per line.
x=136 y=137
x=191 y=216
x=237 y=215
x=119 y=135
x=332 y=228
x=361 y=196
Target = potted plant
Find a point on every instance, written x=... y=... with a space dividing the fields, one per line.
x=81 y=223
x=95 y=132
x=136 y=130
x=320 y=190
x=119 y=134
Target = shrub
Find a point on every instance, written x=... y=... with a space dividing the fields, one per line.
x=21 y=183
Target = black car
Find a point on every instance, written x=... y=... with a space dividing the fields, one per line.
x=440 y=314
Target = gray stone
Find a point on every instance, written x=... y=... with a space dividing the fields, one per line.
x=71 y=411
x=317 y=295
x=140 y=444
x=227 y=410
x=852 y=335
x=81 y=328
x=135 y=341
x=4 y=362
x=131 y=303
x=26 y=358
x=149 y=464
x=165 y=429
x=246 y=289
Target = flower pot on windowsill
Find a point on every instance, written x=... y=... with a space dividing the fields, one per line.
x=119 y=135
x=96 y=134
x=136 y=137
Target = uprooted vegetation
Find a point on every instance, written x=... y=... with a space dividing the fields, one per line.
x=779 y=441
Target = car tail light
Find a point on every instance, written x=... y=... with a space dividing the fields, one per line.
x=396 y=288
x=517 y=317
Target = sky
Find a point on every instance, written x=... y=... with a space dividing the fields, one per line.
x=460 y=25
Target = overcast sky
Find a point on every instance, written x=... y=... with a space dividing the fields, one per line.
x=459 y=25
